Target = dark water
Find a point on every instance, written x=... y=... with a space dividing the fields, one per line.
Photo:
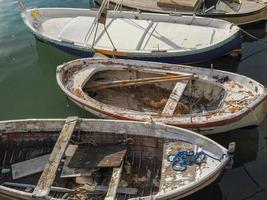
x=28 y=90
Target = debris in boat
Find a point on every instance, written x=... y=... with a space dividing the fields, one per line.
x=222 y=79
x=155 y=104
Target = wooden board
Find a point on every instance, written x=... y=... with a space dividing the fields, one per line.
x=29 y=167
x=114 y=183
x=47 y=178
x=182 y=4
x=97 y=156
x=174 y=98
x=68 y=172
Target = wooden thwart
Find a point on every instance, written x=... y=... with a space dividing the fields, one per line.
x=174 y=98
x=114 y=183
x=45 y=182
x=135 y=82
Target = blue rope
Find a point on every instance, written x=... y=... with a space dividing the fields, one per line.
x=184 y=158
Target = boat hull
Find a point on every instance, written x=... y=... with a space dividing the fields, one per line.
x=238 y=19
x=232 y=113
x=12 y=196
x=254 y=117
x=232 y=45
x=47 y=129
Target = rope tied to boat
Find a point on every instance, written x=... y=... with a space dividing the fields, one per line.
x=182 y=159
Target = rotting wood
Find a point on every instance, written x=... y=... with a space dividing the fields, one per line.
x=29 y=167
x=114 y=183
x=22 y=185
x=120 y=190
x=91 y=157
x=174 y=98
x=42 y=189
x=125 y=83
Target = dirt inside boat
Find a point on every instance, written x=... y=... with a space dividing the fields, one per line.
x=198 y=96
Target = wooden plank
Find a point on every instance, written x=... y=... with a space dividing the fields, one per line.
x=91 y=157
x=179 y=4
x=174 y=98
x=114 y=183
x=134 y=82
x=22 y=185
x=46 y=180
x=29 y=167
x=120 y=190
x=68 y=172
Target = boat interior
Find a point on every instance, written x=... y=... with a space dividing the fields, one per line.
x=89 y=165
x=199 y=6
x=152 y=91
x=146 y=34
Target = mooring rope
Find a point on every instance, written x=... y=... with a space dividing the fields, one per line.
x=252 y=36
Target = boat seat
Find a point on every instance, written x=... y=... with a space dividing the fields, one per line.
x=174 y=98
x=170 y=179
x=76 y=30
x=80 y=78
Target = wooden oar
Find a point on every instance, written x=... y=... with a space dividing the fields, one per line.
x=135 y=82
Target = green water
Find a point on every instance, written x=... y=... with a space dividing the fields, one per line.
x=28 y=90
x=27 y=68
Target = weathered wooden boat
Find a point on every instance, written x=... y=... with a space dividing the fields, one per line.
x=131 y=35
x=104 y=159
x=237 y=12
x=205 y=100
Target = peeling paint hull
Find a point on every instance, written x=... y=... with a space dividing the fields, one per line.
x=228 y=116
x=226 y=42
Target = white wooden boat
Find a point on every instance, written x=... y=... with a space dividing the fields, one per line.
x=131 y=35
x=103 y=159
x=238 y=12
x=204 y=100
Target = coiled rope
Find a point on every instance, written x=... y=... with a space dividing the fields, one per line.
x=184 y=158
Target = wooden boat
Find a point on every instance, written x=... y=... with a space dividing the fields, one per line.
x=131 y=35
x=237 y=12
x=205 y=100
x=104 y=159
